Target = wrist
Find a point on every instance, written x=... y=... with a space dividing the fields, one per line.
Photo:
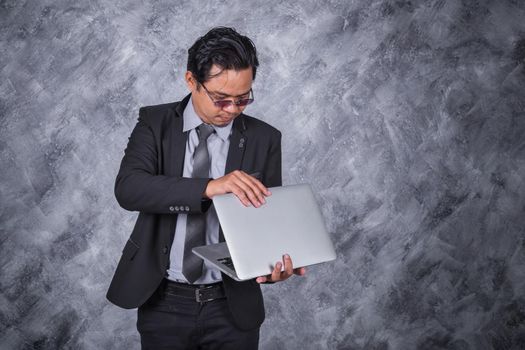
x=208 y=191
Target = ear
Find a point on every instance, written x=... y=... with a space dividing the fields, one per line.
x=191 y=83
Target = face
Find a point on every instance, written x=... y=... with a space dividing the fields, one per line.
x=228 y=85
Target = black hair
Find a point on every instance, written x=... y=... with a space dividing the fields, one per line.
x=223 y=47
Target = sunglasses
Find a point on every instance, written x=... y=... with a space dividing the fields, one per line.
x=243 y=102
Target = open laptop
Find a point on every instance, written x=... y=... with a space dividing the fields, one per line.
x=256 y=238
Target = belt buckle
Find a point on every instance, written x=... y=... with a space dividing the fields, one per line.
x=200 y=297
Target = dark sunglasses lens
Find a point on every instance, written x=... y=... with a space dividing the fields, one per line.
x=227 y=103
x=223 y=103
x=245 y=102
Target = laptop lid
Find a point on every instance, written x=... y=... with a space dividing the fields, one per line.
x=290 y=222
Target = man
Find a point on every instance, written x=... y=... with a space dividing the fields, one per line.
x=179 y=156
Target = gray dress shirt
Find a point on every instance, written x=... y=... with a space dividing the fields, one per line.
x=218 y=144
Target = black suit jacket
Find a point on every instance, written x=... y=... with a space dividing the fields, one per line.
x=150 y=181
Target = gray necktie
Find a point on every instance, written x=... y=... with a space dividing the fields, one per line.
x=196 y=223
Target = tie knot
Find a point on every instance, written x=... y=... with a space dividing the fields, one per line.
x=205 y=131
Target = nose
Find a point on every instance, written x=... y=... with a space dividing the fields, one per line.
x=233 y=108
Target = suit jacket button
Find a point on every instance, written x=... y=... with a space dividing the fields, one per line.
x=171 y=208
x=176 y=208
x=165 y=250
x=187 y=208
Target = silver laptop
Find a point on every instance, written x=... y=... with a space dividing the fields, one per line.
x=256 y=238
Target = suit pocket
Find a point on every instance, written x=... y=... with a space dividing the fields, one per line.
x=130 y=249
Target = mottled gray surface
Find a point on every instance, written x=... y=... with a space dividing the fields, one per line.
x=407 y=117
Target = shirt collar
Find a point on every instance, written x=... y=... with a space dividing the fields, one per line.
x=191 y=121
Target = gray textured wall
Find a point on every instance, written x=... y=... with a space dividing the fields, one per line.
x=406 y=116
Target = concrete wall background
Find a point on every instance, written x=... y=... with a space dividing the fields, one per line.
x=407 y=117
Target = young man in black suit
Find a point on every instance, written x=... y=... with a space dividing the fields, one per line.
x=179 y=156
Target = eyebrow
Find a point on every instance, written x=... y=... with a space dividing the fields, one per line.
x=226 y=95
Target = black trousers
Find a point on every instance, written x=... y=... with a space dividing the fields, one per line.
x=169 y=321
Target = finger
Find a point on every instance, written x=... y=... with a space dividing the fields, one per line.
x=244 y=185
x=254 y=183
x=259 y=184
x=251 y=183
x=300 y=271
x=276 y=273
x=237 y=191
x=240 y=189
x=261 y=279
x=263 y=188
x=288 y=266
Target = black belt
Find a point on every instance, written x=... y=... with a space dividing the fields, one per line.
x=201 y=293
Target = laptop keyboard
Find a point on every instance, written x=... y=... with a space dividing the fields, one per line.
x=228 y=262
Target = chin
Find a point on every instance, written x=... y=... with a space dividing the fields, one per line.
x=220 y=121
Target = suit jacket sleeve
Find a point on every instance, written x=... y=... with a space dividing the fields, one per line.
x=140 y=187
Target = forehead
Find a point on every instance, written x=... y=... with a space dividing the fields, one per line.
x=230 y=82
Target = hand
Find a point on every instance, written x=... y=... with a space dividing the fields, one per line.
x=278 y=275
x=248 y=189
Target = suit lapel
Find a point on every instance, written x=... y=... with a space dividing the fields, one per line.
x=178 y=148
x=238 y=141
x=175 y=143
